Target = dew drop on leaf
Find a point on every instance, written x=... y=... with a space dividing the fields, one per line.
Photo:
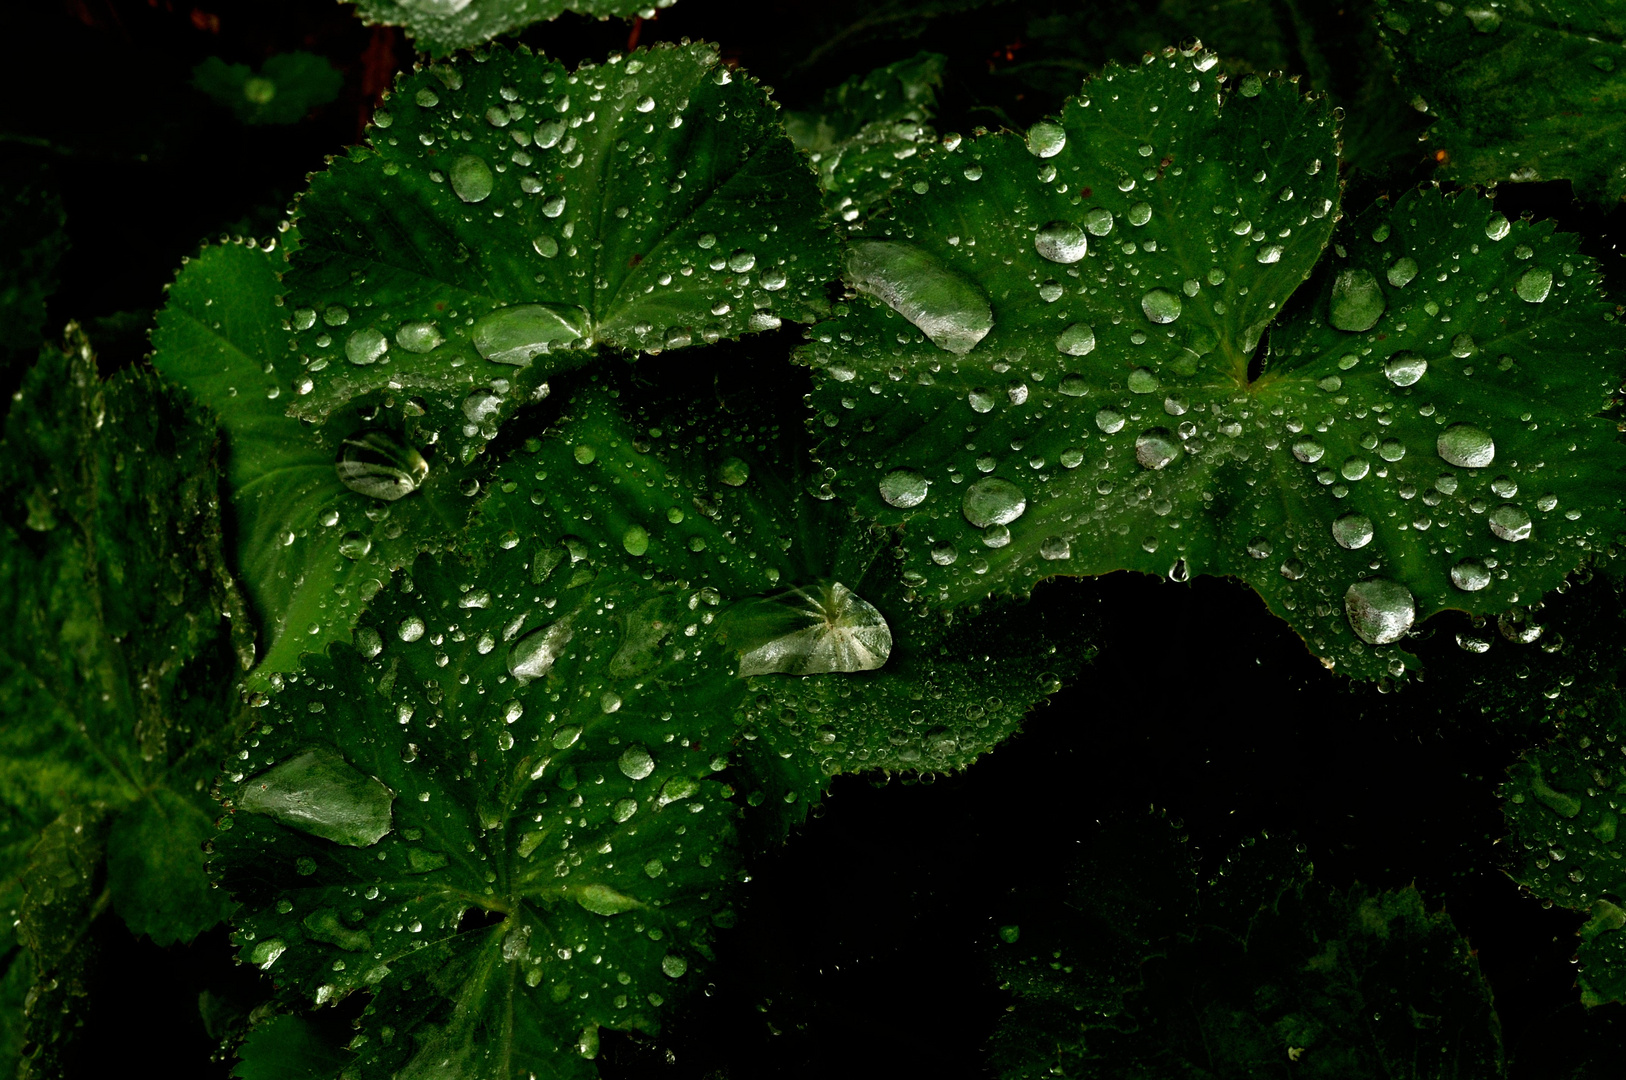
x=520 y=332
x=1497 y=227
x=1380 y=611
x=826 y=628
x=1466 y=446
x=636 y=763
x=1357 y=301
x=1061 y=242
x=903 y=488
x=1402 y=271
x=992 y=501
x=1156 y=447
x=1098 y=221
x=1534 y=284
x=1509 y=522
x=1470 y=575
x=321 y=793
x=1352 y=531
x=1161 y=305
x=365 y=346
x=380 y=465
x=471 y=178
x=1046 y=139
x=418 y=337
x=532 y=656
x=1077 y=340
x=1404 y=368
x=948 y=308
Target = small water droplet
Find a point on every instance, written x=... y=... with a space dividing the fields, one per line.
x=1470 y=575
x=734 y=472
x=1046 y=139
x=1534 y=285
x=635 y=540
x=1401 y=271
x=545 y=245
x=1098 y=221
x=418 y=337
x=1380 y=611
x=1109 y=420
x=1404 y=368
x=1077 y=340
x=1352 y=531
x=1055 y=548
x=1509 y=522
x=355 y=545
x=1061 y=242
x=1259 y=548
x=1308 y=450
x=1497 y=227
x=1251 y=86
x=1156 y=447
x=903 y=488
x=1140 y=213
x=365 y=346
x=992 y=501
x=1161 y=305
x=532 y=656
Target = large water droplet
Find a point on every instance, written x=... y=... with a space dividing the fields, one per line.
x=1098 y=221
x=1470 y=575
x=418 y=337
x=1380 y=611
x=321 y=793
x=1156 y=447
x=903 y=488
x=1077 y=340
x=1161 y=305
x=1140 y=213
x=1357 y=301
x=471 y=178
x=1061 y=242
x=1535 y=284
x=1352 y=531
x=948 y=308
x=1404 y=368
x=1509 y=522
x=826 y=628
x=365 y=346
x=1497 y=227
x=1466 y=446
x=533 y=655
x=992 y=501
x=1402 y=271
x=1046 y=139
x=515 y=334
x=636 y=763
x=380 y=465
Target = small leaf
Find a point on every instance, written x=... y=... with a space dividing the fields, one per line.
x=287 y=86
x=439 y=27
x=288 y=1048
x=155 y=869
x=510 y=219
x=1516 y=90
x=1364 y=459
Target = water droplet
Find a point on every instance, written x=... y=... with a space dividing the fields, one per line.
x=1391 y=449
x=545 y=245
x=1352 y=531
x=636 y=763
x=1466 y=446
x=1534 y=285
x=1156 y=447
x=1308 y=450
x=365 y=346
x=1504 y=487
x=1497 y=227
x=1402 y=271
x=1055 y=548
x=1355 y=468
x=1486 y=21
x=1046 y=139
x=1142 y=381
x=944 y=553
x=1380 y=611
x=1404 y=368
x=1463 y=346
x=1357 y=301
x=369 y=642
x=1270 y=253
x=1061 y=242
x=1098 y=221
x=519 y=332
x=533 y=655
x=1077 y=340
x=1259 y=548
x=1470 y=575
x=635 y=540
x=948 y=308
x=471 y=178
x=992 y=501
x=1251 y=86
x=903 y=488
x=380 y=465
x=354 y=545
x=1292 y=569
x=1073 y=386
x=826 y=628
x=1109 y=420
x=321 y=793
x=1509 y=522
x=674 y=966
x=1161 y=305
x=734 y=472
x=418 y=337
x=1140 y=213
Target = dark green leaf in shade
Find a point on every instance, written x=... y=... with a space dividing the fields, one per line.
x=124 y=630
x=283 y=91
x=1263 y=972
x=63 y=894
x=559 y=845
x=1119 y=379
x=16 y=977
x=1562 y=804
x=509 y=219
x=1530 y=91
x=439 y=27
x=32 y=235
x=310 y=548
x=288 y=1048
x=869 y=131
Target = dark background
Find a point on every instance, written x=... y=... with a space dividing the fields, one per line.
x=862 y=945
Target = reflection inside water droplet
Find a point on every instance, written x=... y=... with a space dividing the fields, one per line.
x=1470 y=575
x=520 y=332
x=1161 y=305
x=1509 y=522
x=1156 y=447
x=1405 y=368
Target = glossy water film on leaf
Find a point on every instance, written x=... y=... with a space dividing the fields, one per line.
x=321 y=793
x=827 y=628
x=948 y=309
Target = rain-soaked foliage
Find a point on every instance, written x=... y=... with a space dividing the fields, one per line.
x=569 y=538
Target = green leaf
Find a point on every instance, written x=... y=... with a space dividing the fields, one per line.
x=439 y=28
x=288 y=1048
x=1265 y=974
x=509 y=219
x=286 y=88
x=1170 y=400
x=868 y=131
x=310 y=548
x=1561 y=804
x=124 y=627
x=32 y=235
x=1520 y=93
x=557 y=848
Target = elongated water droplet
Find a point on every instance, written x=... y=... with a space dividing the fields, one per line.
x=1509 y=522
x=948 y=308
x=1077 y=340
x=1534 y=285
x=1404 y=368
x=545 y=245
x=1352 y=531
x=380 y=465
x=1380 y=611
x=1466 y=446
x=1061 y=242
x=321 y=793
x=904 y=488
x=1156 y=447
x=826 y=628
x=533 y=655
x=600 y=899
x=1357 y=301
x=471 y=178
x=519 y=332
x=1046 y=139
x=992 y=501
x=1161 y=305
x=1402 y=271
x=418 y=337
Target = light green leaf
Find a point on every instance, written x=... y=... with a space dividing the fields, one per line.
x=1157 y=392
x=1261 y=973
x=118 y=651
x=287 y=86
x=558 y=847
x=439 y=27
x=1562 y=808
x=1526 y=92
x=510 y=219
x=869 y=131
x=310 y=548
x=288 y=1048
